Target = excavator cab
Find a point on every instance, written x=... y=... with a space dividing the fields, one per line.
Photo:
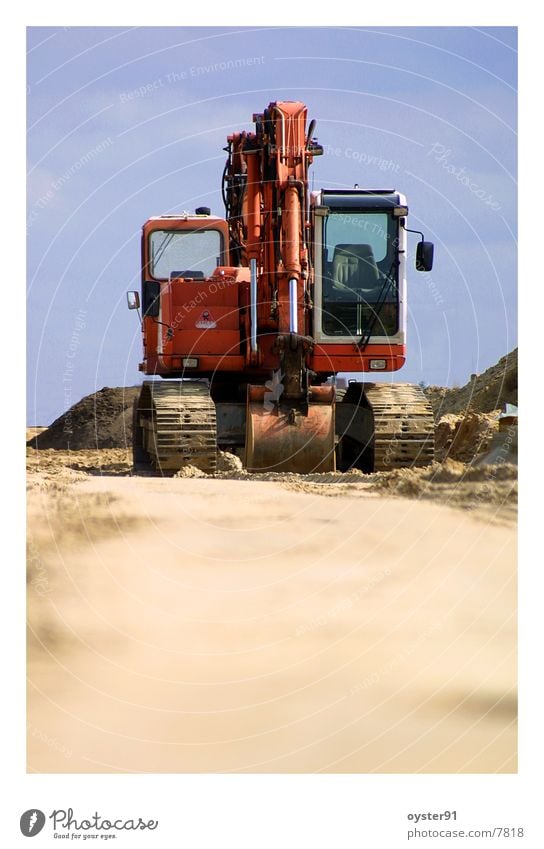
x=359 y=257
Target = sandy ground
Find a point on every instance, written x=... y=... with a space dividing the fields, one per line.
x=32 y=432
x=226 y=625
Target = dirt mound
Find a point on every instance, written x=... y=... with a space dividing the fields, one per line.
x=450 y=471
x=483 y=393
x=32 y=432
x=463 y=437
x=489 y=491
x=503 y=448
x=227 y=462
x=190 y=472
x=100 y=420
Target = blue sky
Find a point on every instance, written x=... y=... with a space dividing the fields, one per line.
x=125 y=123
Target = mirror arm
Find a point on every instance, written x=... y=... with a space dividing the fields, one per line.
x=419 y=233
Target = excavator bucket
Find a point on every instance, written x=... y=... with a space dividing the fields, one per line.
x=290 y=437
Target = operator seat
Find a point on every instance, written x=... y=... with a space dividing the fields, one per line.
x=354 y=271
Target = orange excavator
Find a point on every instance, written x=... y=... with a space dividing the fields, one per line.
x=248 y=319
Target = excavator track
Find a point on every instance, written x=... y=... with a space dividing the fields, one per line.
x=175 y=426
x=403 y=425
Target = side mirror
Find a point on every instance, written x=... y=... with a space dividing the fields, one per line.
x=424 y=256
x=133 y=300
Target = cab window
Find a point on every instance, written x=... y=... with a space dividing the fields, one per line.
x=184 y=253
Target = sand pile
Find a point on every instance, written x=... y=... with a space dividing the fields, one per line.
x=503 y=448
x=489 y=491
x=451 y=471
x=498 y=385
x=227 y=462
x=463 y=437
x=100 y=420
x=468 y=417
x=190 y=472
x=228 y=465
